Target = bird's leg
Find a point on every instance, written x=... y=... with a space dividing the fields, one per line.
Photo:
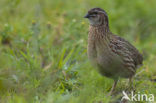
x=113 y=87
x=130 y=82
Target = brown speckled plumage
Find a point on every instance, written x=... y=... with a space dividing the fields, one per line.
x=114 y=56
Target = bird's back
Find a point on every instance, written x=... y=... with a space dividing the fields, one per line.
x=127 y=48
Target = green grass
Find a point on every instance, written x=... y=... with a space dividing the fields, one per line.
x=43 y=44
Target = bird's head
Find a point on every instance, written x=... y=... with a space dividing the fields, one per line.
x=97 y=17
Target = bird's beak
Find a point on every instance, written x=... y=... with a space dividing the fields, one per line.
x=86 y=16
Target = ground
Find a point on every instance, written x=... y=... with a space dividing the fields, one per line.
x=43 y=46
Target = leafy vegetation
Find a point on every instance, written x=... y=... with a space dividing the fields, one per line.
x=43 y=55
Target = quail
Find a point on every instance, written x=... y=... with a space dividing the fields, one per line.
x=114 y=56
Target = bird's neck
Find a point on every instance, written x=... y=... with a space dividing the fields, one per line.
x=101 y=31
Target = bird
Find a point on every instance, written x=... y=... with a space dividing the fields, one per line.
x=113 y=56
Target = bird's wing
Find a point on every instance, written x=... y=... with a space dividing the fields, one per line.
x=129 y=54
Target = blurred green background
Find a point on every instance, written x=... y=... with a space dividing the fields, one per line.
x=43 y=55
